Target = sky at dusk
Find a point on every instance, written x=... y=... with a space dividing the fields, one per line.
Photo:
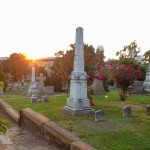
x=39 y=28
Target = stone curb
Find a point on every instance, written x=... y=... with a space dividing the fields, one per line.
x=10 y=111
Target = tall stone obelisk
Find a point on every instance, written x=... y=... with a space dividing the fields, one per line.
x=78 y=100
x=33 y=87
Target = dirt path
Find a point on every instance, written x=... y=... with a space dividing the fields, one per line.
x=19 y=139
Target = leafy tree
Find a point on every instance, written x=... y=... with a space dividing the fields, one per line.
x=146 y=56
x=129 y=51
x=17 y=65
x=123 y=76
x=127 y=56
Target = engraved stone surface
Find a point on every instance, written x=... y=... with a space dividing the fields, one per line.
x=78 y=100
x=126 y=111
x=99 y=115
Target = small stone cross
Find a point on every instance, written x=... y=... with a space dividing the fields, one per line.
x=41 y=80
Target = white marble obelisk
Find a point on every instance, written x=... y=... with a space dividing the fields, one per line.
x=78 y=100
x=33 y=74
x=33 y=87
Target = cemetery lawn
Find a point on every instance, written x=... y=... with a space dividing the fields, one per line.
x=115 y=133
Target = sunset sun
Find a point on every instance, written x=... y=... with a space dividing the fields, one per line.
x=34 y=55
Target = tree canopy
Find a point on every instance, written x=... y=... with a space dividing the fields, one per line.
x=17 y=65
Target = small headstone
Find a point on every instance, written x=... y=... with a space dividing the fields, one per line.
x=1 y=92
x=20 y=87
x=40 y=84
x=45 y=98
x=13 y=89
x=49 y=90
x=33 y=99
x=7 y=89
x=126 y=111
x=148 y=109
x=99 y=115
x=97 y=87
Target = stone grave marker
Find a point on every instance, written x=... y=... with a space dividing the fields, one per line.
x=33 y=98
x=148 y=109
x=127 y=111
x=45 y=98
x=20 y=87
x=97 y=87
x=33 y=90
x=49 y=90
x=146 y=84
x=78 y=103
x=41 y=80
x=99 y=115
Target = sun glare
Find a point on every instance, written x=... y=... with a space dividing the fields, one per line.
x=33 y=56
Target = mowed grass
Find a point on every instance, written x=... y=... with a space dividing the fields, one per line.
x=115 y=133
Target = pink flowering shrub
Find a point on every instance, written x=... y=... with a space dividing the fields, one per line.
x=123 y=76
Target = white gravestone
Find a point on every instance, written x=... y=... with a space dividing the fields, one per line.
x=146 y=84
x=99 y=115
x=78 y=100
x=127 y=111
x=33 y=90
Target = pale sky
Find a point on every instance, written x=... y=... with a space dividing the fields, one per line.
x=40 y=28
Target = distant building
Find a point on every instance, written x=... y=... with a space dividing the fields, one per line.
x=46 y=62
x=3 y=58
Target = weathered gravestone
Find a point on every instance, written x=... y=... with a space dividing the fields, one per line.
x=20 y=87
x=99 y=115
x=33 y=99
x=33 y=90
x=137 y=88
x=1 y=92
x=78 y=103
x=127 y=111
x=40 y=85
x=7 y=89
x=97 y=87
x=49 y=90
x=45 y=98
x=146 y=84
x=148 y=109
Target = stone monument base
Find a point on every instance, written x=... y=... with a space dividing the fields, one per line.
x=78 y=112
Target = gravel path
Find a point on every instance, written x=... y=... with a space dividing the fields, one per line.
x=19 y=139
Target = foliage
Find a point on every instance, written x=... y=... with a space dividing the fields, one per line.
x=3 y=76
x=1 y=85
x=146 y=56
x=129 y=51
x=17 y=65
x=4 y=123
x=123 y=76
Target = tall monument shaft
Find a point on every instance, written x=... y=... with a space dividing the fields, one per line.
x=79 y=51
x=33 y=74
x=78 y=100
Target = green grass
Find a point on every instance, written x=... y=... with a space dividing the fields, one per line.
x=115 y=133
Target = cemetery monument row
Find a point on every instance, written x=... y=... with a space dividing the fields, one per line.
x=78 y=103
